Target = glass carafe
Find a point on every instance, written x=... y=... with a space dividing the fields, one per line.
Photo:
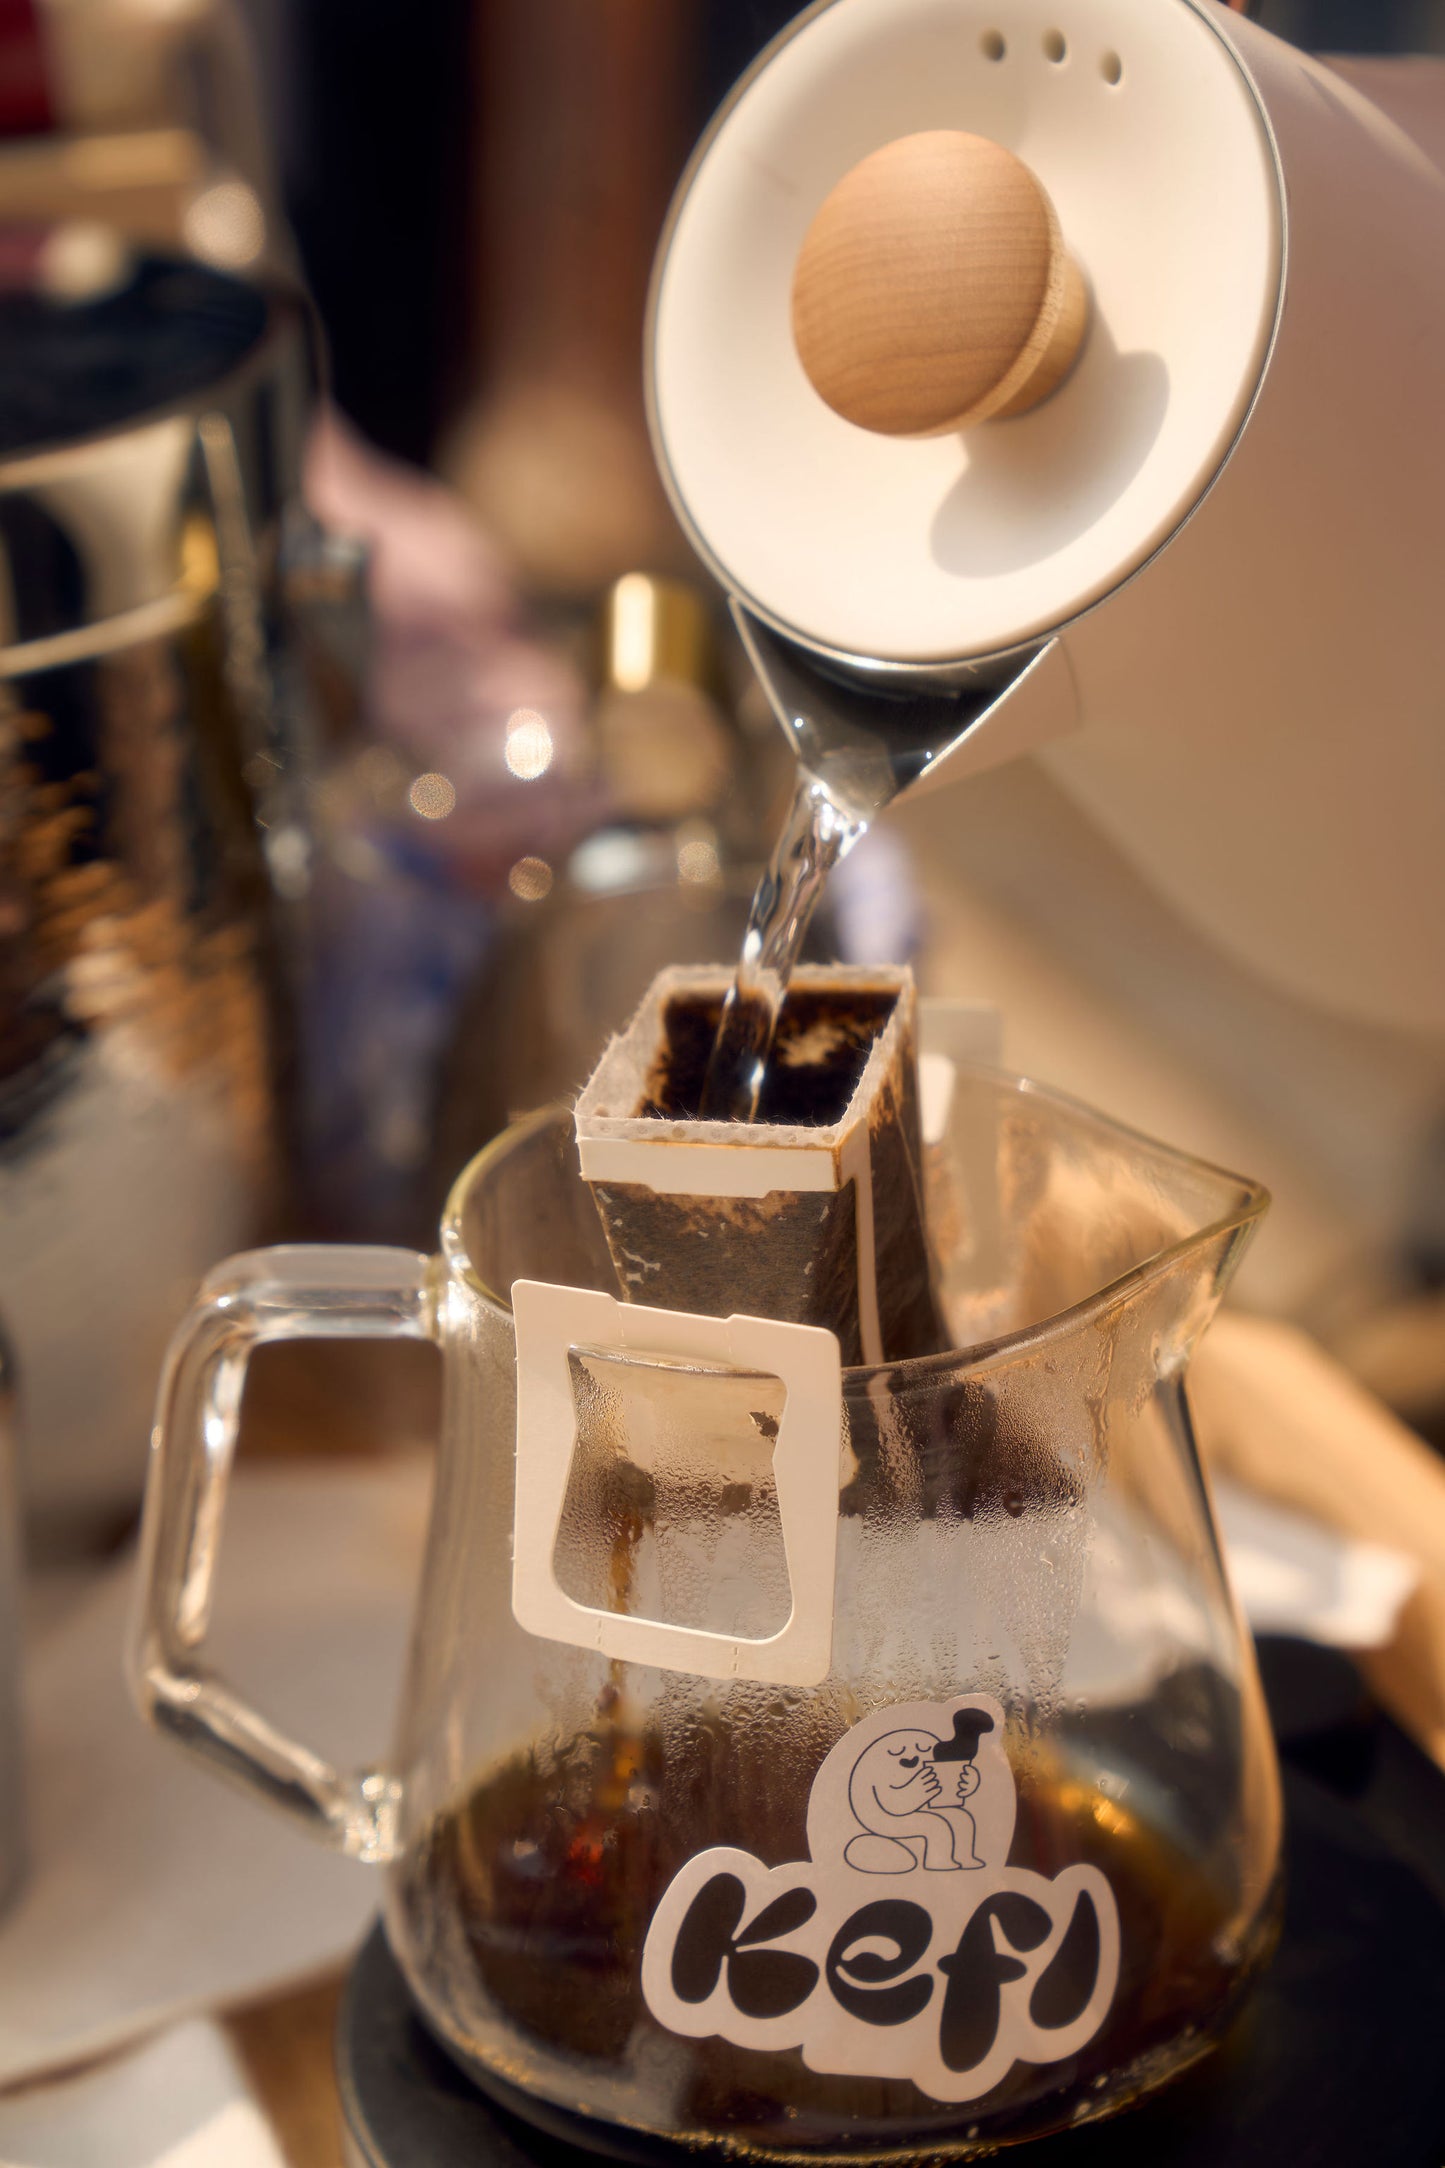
x=790 y=1775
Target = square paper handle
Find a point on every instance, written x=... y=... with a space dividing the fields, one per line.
x=551 y=1322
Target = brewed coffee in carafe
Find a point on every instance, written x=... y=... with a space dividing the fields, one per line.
x=856 y=751
x=539 y=1886
x=797 y=1759
x=802 y=1920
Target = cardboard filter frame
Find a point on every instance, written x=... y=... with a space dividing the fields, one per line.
x=811 y=1224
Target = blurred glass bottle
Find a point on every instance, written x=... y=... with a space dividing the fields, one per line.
x=456 y=748
x=692 y=789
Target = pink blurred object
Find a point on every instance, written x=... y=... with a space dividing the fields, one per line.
x=432 y=567
x=492 y=722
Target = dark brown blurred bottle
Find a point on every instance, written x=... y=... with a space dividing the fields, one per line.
x=586 y=111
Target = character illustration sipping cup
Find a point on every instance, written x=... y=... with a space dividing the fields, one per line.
x=908 y=1789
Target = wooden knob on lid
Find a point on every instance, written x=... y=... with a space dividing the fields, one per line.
x=933 y=289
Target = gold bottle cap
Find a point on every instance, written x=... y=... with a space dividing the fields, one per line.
x=666 y=750
x=655 y=630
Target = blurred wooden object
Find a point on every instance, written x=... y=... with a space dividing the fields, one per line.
x=1274 y=1412
x=340 y=1399
x=142 y=181
x=1396 y=1348
x=285 y=2047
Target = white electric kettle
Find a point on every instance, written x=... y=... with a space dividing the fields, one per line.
x=1202 y=578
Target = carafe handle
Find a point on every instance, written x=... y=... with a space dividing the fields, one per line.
x=292 y=1293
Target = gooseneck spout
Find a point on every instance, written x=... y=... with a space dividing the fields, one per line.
x=868 y=733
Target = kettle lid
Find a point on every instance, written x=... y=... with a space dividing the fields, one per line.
x=1138 y=120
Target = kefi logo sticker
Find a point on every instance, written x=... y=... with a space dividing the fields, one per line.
x=904 y=1946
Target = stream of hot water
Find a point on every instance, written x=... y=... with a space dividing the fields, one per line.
x=855 y=756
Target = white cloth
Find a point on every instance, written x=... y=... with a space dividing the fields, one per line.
x=1294 y=1575
x=179 y=2102
x=155 y=1890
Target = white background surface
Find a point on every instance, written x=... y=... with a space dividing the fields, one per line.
x=154 y=1889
